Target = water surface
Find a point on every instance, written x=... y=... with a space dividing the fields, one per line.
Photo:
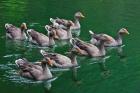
x=120 y=73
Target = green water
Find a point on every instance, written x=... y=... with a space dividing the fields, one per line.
x=118 y=74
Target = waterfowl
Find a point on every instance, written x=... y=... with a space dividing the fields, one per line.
x=59 y=60
x=15 y=33
x=40 y=39
x=63 y=23
x=88 y=49
x=32 y=71
x=59 y=32
x=93 y=40
x=112 y=41
x=51 y=29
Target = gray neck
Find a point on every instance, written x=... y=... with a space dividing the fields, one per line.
x=46 y=71
x=102 y=48
x=119 y=39
x=51 y=41
x=77 y=23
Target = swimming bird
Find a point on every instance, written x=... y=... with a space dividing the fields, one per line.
x=32 y=71
x=63 y=23
x=60 y=33
x=87 y=49
x=112 y=41
x=51 y=28
x=59 y=60
x=40 y=39
x=15 y=33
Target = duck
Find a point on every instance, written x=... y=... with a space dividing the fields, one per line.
x=15 y=33
x=93 y=40
x=40 y=39
x=63 y=23
x=87 y=49
x=112 y=41
x=51 y=28
x=60 y=33
x=33 y=71
x=60 y=61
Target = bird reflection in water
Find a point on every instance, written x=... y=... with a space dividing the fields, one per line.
x=105 y=72
x=75 y=75
x=119 y=50
x=48 y=84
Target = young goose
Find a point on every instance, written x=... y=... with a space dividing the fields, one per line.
x=32 y=71
x=63 y=23
x=59 y=32
x=112 y=41
x=40 y=39
x=15 y=33
x=59 y=60
x=51 y=29
x=88 y=49
x=93 y=40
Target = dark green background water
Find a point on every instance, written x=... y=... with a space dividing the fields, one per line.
x=119 y=74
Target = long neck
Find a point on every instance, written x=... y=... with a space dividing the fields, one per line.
x=94 y=41
x=119 y=39
x=69 y=34
x=22 y=29
x=51 y=41
x=23 y=33
x=77 y=23
x=46 y=71
x=102 y=48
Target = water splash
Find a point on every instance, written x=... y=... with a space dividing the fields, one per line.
x=33 y=24
x=100 y=60
x=12 y=55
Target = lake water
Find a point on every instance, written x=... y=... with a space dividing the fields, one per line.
x=119 y=73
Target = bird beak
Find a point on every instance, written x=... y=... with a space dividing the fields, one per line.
x=82 y=16
x=127 y=32
x=49 y=61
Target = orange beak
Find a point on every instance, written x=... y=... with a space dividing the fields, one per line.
x=82 y=16
x=50 y=62
x=127 y=32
